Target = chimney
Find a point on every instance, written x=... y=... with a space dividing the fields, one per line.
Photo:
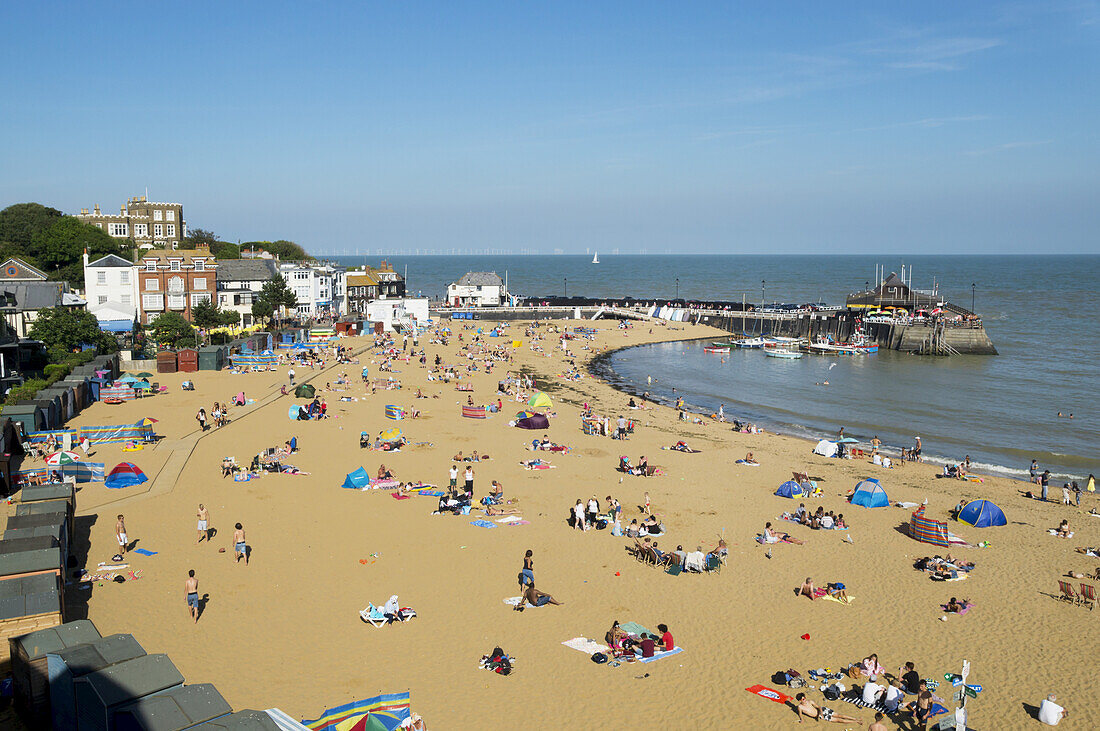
x=85 y=258
x=122 y=211
x=96 y=209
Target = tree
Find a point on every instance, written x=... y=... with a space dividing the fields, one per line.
x=64 y=330
x=207 y=314
x=262 y=310
x=20 y=223
x=60 y=247
x=224 y=250
x=199 y=236
x=171 y=330
x=285 y=250
x=275 y=295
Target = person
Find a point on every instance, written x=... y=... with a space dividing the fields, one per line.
x=648 y=644
x=578 y=515
x=922 y=706
x=1044 y=482
x=621 y=433
x=201 y=418
x=872 y=691
x=878 y=725
x=1063 y=529
x=120 y=535
x=1090 y=486
x=876 y=442
x=454 y=477
x=1034 y=471
x=667 y=643
x=893 y=696
x=910 y=678
x=633 y=529
x=643 y=466
x=749 y=459
x=527 y=574
x=615 y=636
x=204 y=517
x=838 y=591
x=191 y=587
x=535 y=598
x=1050 y=712
x=645 y=505
x=497 y=493
x=807 y=589
x=807 y=708
x=593 y=511
x=916 y=451
x=290 y=374
x=696 y=560
x=468 y=476
x=240 y=548
x=840 y=434
x=721 y=551
x=1065 y=494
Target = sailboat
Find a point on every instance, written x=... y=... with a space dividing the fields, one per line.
x=596 y=258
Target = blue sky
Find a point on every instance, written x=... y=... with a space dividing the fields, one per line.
x=933 y=127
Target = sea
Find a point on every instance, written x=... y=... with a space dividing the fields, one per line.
x=1041 y=312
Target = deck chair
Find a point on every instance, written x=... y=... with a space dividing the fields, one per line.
x=713 y=564
x=1088 y=595
x=373 y=615
x=1068 y=593
x=650 y=557
x=675 y=568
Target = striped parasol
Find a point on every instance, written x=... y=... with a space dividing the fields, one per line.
x=62 y=458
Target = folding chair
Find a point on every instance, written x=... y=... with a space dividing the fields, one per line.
x=713 y=565
x=675 y=568
x=373 y=615
x=1068 y=593
x=1088 y=595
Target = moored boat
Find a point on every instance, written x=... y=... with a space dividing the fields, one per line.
x=782 y=353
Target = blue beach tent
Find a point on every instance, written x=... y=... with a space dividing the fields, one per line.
x=870 y=494
x=357 y=480
x=125 y=474
x=982 y=514
x=790 y=489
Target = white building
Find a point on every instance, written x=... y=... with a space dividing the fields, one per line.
x=319 y=287
x=110 y=283
x=239 y=283
x=477 y=289
x=403 y=314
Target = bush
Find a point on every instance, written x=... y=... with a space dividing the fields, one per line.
x=57 y=371
x=25 y=392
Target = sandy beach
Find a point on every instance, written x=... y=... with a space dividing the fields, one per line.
x=284 y=631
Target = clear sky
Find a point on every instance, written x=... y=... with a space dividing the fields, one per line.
x=782 y=127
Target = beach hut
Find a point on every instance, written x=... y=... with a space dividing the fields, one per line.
x=30 y=415
x=64 y=397
x=27 y=603
x=927 y=530
x=167 y=362
x=83 y=393
x=49 y=525
x=790 y=489
x=869 y=494
x=538 y=421
x=982 y=514
x=211 y=358
x=540 y=402
x=826 y=448
x=100 y=695
x=174 y=710
x=59 y=509
x=305 y=390
x=357 y=480
x=249 y=720
x=77 y=661
x=30 y=677
x=125 y=474
x=187 y=360
x=394 y=412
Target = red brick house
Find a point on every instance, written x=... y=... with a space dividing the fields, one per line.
x=175 y=281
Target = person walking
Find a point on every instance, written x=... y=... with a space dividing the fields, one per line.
x=468 y=476
x=290 y=374
x=203 y=525
x=240 y=547
x=201 y=418
x=527 y=574
x=191 y=588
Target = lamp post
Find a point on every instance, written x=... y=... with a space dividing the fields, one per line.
x=566 y=280
x=761 y=294
x=677 y=288
x=973 y=289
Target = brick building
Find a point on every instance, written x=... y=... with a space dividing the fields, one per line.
x=369 y=283
x=175 y=281
x=146 y=224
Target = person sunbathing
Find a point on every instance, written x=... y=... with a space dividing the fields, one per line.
x=809 y=709
x=535 y=598
x=384 y=473
x=770 y=536
x=749 y=459
x=1087 y=550
x=808 y=589
x=838 y=591
x=721 y=551
x=1063 y=530
x=954 y=606
x=959 y=563
x=492 y=510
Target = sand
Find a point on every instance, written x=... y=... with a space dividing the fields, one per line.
x=284 y=630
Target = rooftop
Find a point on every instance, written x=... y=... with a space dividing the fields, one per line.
x=480 y=279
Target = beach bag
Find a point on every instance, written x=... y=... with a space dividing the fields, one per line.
x=498 y=662
x=599 y=658
x=831 y=693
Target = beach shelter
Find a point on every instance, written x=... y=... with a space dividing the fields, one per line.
x=384 y=712
x=790 y=489
x=357 y=480
x=474 y=412
x=390 y=435
x=927 y=530
x=394 y=412
x=540 y=401
x=538 y=421
x=294 y=412
x=125 y=474
x=982 y=514
x=305 y=390
x=870 y=494
x=825 y=448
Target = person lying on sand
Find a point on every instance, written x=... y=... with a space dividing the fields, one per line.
x=837 y=591
x=954 y=606
x=807 y=708
x=490 y=510
x=770 y=536
x=535 y=598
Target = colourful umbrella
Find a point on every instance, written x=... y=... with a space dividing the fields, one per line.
x=390 y=435
x=524 y=414
x=62 y=458
x=147 y=421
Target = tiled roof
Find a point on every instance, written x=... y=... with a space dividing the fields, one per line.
x=247 y=270
x=475 y=279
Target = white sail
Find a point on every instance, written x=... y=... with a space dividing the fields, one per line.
x=596 y=258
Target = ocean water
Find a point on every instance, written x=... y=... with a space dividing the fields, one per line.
x=1042 y=313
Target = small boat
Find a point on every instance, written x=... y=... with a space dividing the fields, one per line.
x=781 y=353
x=596 y=258
x=715 y=349
x=749 y=343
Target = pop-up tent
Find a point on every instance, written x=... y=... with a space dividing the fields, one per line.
x=125 y=474
x=305 y=390
x=790 y=489
x=538 y=421
x=357 y=480
x=540 y=401
x=982 y=514
x=825 y=448
x=870 y=494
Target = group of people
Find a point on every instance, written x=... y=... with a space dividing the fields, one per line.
x=630 y=647
x=819 y=519
x=888 y=694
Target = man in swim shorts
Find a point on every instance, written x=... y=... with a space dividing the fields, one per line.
x=204 y=517
x=809 y=709
x=240 y=549
x=191 y=586
x=535 y=598
x=120 y=535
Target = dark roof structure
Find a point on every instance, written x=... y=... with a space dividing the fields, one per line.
x=480 y=279
x=247 y=270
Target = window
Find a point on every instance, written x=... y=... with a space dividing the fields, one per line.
x=126 y=300
x=124 y=276
x=141 y=230
x=101 y=278
x=150 y=265
x=198 y=283
x=118 y=230
x=199 y=297
x=177 y=301
x=175 y=284
x=102 y=299
x=174 y=265
x=303 y=309
x=200 y=264
x=158 y=230
x=152 y=285
x=171 y=229
x=152 y=302
x=169 y=215
x=302 y=293
x=157 y=214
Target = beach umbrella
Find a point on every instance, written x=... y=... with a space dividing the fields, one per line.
x=525 y=414
x=390 y=435
x=847 y=440
x=145 y=374
x=147 y=421
x=141 y=385
x=380 y=713
x=62 y=458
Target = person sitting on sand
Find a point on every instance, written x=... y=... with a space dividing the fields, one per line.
x=954 y=607
x=840 y=522
x=870 y=666
x=749 y=459
x=808 y=589
x=653 y=527
x=615 y=636
x=1063 y=530
x=497 y=494
x=809 y=709
x=384 y=473
x=535 y=598
x=633 y=529
x=838 y=591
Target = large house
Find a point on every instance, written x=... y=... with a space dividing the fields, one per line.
x=25 y=291
x=319 y=287
x=175 y=281
x=110 y=286
x=367 y=284
x=240 y=281
x=477 y=289
x=147 y=225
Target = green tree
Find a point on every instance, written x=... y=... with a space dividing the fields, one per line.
x=230 y=318
x=275 y=295
x=262 y=310
x=285 y=250
x=224 y=250
x=59 y=248
x=64 y=330
x=171 y=330
x=19 y=224
x=206 y=315
x=199 y=236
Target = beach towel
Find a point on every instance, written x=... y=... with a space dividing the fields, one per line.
x=633 y=628
x=515 y=600
x=397 y=496
x=585 y=645
x=430 y=493
x=832 y=598
x=1053 y=532
x=768 y=693
x=518 y=522
x=145 y=552
x=748 y=464
x=661 y=655
x=482 y=523
x=509 y=519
